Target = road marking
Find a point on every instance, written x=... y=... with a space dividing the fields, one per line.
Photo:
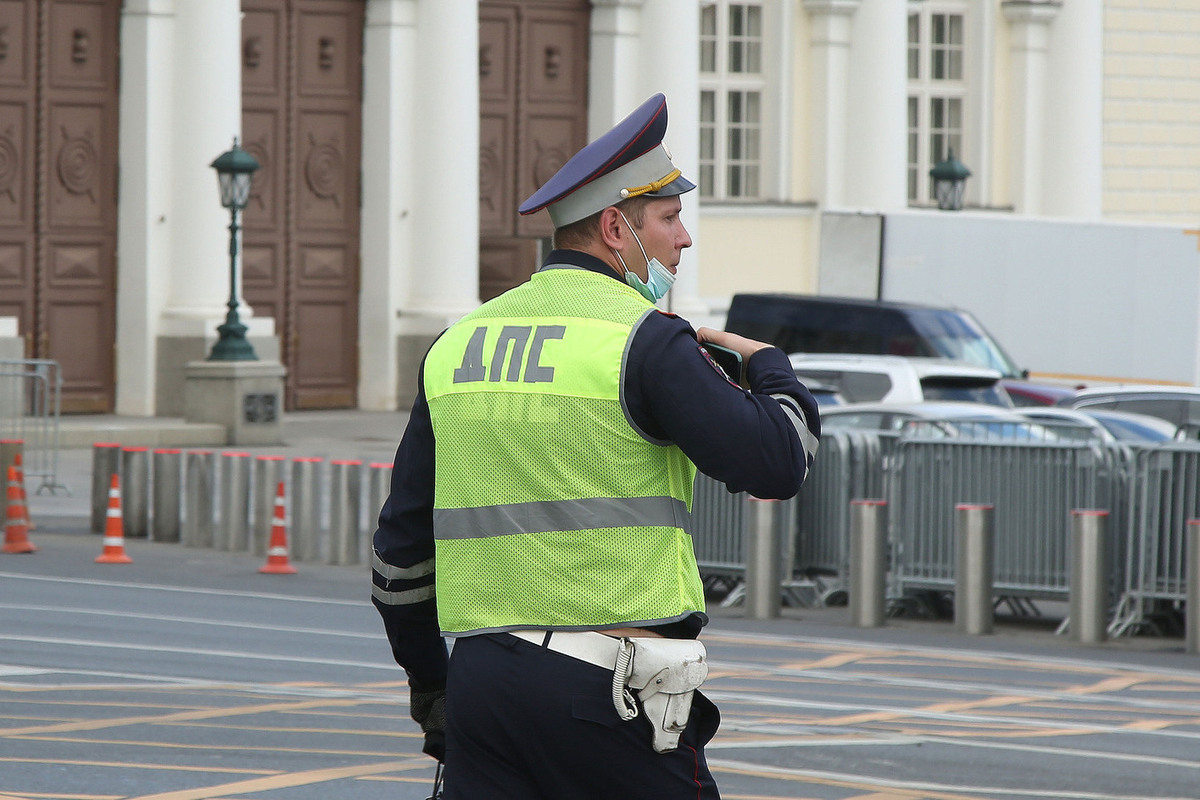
x=283 y=598
x=911 y=789
x=75 y=762
x=287 y=780
x=149 y=719
x=199 y=651
x=194 y=621
x=857 y=713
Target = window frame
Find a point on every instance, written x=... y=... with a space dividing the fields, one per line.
x=967 y=91
x=773 y=101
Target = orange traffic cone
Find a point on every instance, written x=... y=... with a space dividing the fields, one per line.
x=19 y=464
x=16 y=518
x=114 y=528
x=277 y=548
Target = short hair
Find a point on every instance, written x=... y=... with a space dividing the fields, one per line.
x=578 y=234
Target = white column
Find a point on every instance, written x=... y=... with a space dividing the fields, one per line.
x=830 y=44
x=876 y=129
x=207 y=114
x=389 y=193
x=143 y=222
x=444 y=277
x=1028 y=35
x=1074 y=112
x=670 y=63
x=614 y=86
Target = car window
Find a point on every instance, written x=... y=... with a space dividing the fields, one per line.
x=966 y=390
x=855 y=387
x=859 y=420
x=957 y=336
x=1133 y=431
x=1172 y=409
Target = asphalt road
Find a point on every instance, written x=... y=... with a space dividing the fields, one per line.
x=189 y=675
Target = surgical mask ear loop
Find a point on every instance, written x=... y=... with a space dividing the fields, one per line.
x=638 y=240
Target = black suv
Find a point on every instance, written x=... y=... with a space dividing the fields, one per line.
x=799 y=323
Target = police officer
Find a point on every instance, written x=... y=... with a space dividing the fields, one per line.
x=546 y=472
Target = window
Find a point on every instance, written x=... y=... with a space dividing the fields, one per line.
x=936 y=92
x=732 y=94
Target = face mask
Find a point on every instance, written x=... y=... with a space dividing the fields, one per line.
x=660 y=277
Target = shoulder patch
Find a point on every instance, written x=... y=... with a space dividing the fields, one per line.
x=666 y=313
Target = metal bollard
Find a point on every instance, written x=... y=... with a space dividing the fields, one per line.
x=198 y=499
x=168 y=469
x=235 y=501
x=763 y=589
x=975 y=560
x=868 y=563
x=1192 y=568
x=106 y=461
x=268 y=472
x=306 y=545
x=345 y=512
x=1089 y=576
x=135 y=491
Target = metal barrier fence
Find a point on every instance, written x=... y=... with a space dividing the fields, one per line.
x=1034 y=478
x=1151 y=493
x=1033 y=486
x=721 y=525
x=30 y=405
x=852 y=466
x=1164 y=494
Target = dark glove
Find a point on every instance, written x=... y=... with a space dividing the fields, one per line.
x=428 y=709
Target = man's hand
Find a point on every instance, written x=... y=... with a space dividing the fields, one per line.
x=428 y=709
x=746 y=347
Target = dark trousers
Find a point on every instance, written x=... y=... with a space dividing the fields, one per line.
x=526 y=722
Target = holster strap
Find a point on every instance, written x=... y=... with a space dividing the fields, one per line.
x=594 y=648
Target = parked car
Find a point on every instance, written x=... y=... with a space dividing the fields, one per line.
x=799 y=323
x=893 y=379
x=1033 y=394
x=1107 y=426
x=1178 y=405
x=825 y=394
x=939 y=420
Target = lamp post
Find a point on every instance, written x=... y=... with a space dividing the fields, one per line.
x=949 y=179
x=235 y=171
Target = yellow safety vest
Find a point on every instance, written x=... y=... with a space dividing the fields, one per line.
x=550 y=510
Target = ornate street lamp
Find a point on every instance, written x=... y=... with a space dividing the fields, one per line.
x=235 y=171
x=949 y=179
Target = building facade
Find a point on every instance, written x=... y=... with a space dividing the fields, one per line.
x=396 y=138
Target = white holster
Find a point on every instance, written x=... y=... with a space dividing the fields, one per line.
x=665 y=673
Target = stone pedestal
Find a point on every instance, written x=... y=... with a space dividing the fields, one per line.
x=244 y=396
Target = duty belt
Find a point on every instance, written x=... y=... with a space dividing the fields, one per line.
x=663 y=672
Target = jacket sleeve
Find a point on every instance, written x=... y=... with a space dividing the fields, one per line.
x=403 y=559
x=761 y=441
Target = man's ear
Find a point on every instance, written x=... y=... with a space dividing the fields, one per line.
x=610 y=228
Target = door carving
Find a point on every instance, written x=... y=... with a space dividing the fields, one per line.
x=301 y=118
x=58 y=186
x=533 y=58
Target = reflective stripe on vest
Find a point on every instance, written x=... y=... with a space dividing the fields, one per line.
x=560 y=515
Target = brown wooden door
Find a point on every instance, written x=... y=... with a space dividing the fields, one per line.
x=301 y=118
x=58 y=186
x=533 y=57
